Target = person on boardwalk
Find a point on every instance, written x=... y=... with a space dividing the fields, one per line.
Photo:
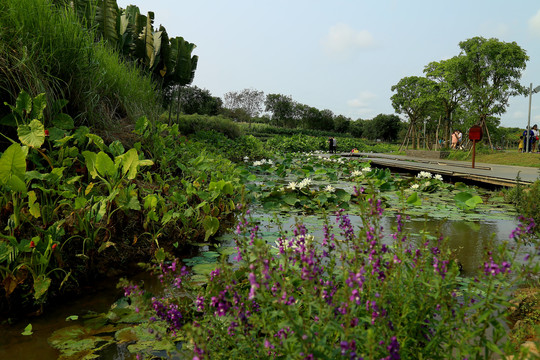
x=334 y=140
x=455 y=139
x=330 y=145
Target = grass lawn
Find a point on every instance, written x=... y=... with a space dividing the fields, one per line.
x=508 y=157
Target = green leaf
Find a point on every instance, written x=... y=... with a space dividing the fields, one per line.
x=27 y=330
x=117 y=148
x=211 y=226
x=104 y=165
x=97 y=140
x=90 y=160
x=63 y=121
x=413 y=199
x=150 y=202
x=33 y=206
x=12 y=164
x=473 y=201
x=23 y=104
x=72 y=318
x=32 y=135
x=130 y=162
x=41 y=285
x=141 y=124
x=39 y=104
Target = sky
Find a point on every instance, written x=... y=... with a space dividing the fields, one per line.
x=343 y=55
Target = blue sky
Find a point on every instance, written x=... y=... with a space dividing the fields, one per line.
x=342 y=55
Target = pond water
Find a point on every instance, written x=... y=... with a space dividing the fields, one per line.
x=468 y=237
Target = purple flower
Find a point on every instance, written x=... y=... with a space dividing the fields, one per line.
x=492 y=268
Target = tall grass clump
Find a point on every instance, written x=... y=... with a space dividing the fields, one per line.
x=43 y=48
x=46 y=50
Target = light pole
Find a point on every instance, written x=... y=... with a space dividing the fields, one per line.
x=531 y=91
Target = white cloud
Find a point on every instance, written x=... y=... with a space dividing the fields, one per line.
x=342 y=40
x=362 y=100
x=496 y=30
x=362 y=105
x=534 y=24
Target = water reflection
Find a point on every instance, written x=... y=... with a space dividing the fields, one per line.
x=470 y=240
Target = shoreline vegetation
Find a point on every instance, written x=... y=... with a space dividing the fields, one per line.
x=100 y=172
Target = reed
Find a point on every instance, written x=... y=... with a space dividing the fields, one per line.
x=44 y=48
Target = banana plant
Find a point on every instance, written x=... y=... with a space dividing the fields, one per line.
x=106 y=20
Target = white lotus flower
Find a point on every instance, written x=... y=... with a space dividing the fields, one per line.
x=366 y=169
x=329 y=188
x=304 y=183
x=438 y=177
x=415 y=186
x=424 y=174
x=292 y=185
x=356 y=173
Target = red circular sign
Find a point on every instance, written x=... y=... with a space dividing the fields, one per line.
x=475 y=133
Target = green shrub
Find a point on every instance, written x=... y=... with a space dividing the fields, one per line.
x=190 y=124
x=525 y=200
x=306 y=143
x=235 y=150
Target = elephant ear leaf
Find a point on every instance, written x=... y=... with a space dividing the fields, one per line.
x=13 y=168
x=104 y=165
x=414 y=200
x=211 y=226
x=33 y=134
x=467 y=201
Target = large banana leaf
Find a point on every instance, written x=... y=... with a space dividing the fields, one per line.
x=106 y=19
x=182 y=65
x=144 y=41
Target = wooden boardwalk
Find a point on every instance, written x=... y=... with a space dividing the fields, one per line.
x=499 y=175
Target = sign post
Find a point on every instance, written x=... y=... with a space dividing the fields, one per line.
x=475 y=134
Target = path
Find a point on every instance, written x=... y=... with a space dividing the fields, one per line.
x=502 y=175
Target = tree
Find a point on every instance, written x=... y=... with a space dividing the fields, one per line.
x=282 y=108
x=490 y=71
x=356 y=128
x=342 y=124
x=249 y=100
x=194 y=100
x=414 y=95
x=450 y=92
x=386 y=127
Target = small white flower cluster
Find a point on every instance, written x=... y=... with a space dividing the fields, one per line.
x=438 y=177
x=415 y=186
x=302 y=184
x=314 y=152
x=329 y=188
x=355 y=173
x=424 y=175
x=262 y=162
x=246 y=158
